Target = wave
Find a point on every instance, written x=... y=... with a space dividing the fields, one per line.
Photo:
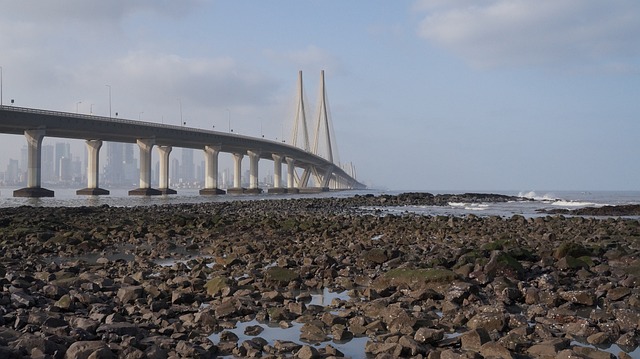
x=564 y=203
x=469 y=206
x=548 y=197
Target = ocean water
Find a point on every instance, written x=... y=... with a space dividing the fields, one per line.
x=66 y=197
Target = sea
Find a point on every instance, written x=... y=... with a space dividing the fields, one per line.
x=66 y=197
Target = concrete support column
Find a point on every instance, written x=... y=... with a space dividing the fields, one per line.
x=163 y=180
x=93 y=170
x=237 y=174
x=211 y=171
x=145 y=189
x=291 y=179
x=277 y=175
x=254 y=158
x=34 y=174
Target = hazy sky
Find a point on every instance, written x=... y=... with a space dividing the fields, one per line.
x=424 y=95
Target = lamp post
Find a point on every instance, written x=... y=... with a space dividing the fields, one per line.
x=0 y=85
x=91 y=109
x=78 y=104
x=180 y=102
x=140 y=116
x=229 y=116
x=109 y=86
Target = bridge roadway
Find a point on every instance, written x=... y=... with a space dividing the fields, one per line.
x=36 y=123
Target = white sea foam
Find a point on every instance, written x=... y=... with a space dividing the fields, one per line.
x=476 y=207
x=547 y=197
x=563 y=203
x=469 y=206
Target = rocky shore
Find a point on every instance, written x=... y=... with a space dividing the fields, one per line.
x=88 y=282
x=622 y=210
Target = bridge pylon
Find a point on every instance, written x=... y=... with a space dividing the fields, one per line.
x=300 y=120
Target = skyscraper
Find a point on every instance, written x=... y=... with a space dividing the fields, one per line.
x=114 y=170
x=62 y=155
x=187 y=168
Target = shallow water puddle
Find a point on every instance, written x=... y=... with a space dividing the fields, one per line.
x=326 y=297
x=353 y=348
x=613 y=349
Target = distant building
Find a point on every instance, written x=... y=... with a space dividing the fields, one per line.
x=114 y=169
x=174 y=172
x=61 y=156
x=187 y=168
x=48 y=169
x=121 y=167
x=12 y=174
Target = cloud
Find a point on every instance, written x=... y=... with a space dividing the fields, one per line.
x=92 y=11
x=208 y=82
x=493 y=33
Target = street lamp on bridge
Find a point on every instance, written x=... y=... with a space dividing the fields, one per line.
x=109 y=86
x=78 y=104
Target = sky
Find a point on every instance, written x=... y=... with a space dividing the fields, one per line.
x=424 y=94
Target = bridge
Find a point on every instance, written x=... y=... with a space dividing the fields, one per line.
x=307 y=170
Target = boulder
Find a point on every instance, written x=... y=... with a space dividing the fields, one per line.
x=84 y=349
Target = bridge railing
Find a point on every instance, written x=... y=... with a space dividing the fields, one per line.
x=85 y=116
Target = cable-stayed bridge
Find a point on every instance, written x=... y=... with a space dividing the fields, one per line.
x=308 y=168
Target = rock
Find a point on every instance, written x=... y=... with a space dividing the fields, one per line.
x=495 y=350
x=411 y=346
x=283 y=346
x=616 y=294
x=312 y=332
x=129 y=293
x=474 y=339
x=490 y=319
x=340 y=333
x=428 y=335
x=29 y=343
x=583 y=297
x=383 y=348
x=376 y=256
x=280 y=276
x=593 y=353
x=22 y=300
x=549 y=348
x=598 y=338
x=307 y=352
x=86 y=349
x=217 y=286
x=253 y=330
x=226 y=309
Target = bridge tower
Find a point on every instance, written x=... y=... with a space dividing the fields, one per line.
x=324 y=128
x=300 y=121
x=324 y=144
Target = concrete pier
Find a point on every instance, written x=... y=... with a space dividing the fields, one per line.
x=34 y=174
x=254 y=158
x=211 y=171
x=163 y=181
x=277 y=175
x=145 y=189
x=93 y=170
x=237 y=174
x=291 y=179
